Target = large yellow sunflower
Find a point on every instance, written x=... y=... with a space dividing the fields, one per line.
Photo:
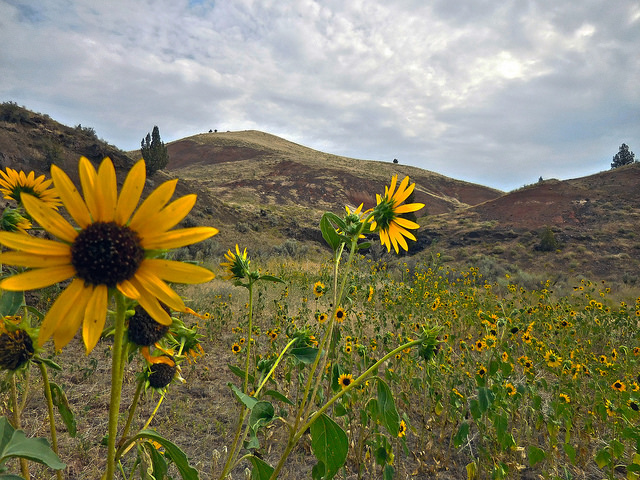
x=14 y=183
x=391 y=227
x=113 y=248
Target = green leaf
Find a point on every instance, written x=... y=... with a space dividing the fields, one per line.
x=305 y=355
x=389 y=472
x=278 y=396
x=14 y=443
x=247 y=400
x=603 y=458
x=261 y=470
x=570 y=451
x=60 y=400
x=329 y=231
x=474 y=408
x=317 y=472
x=271 y=278
x=485 y=398
x=387 y=409
x=261 y=414
x=364 y=245
x=330 y=444
x=158 y=464
x=339 y=410
x=172 y=451
x=10 y=476
x=536 y=455
x=460 y=437
x=617 y=448
x=240 y=373
x=10 y=302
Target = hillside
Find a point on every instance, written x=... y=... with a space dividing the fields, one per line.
x=261 y=190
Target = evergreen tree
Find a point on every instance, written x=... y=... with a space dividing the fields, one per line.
x=623 y=157
x=154 y=152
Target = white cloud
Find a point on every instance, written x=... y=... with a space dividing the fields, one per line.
x=494 y=92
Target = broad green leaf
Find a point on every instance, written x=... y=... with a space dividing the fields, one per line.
x=16 y=445
x=389 y=472
x=60 y=400
x=474 y=408
x=305 y=355
x=460 y=437
x=330 y=444
x=172 y=451
x=570 y=451
x=10 y=302
x=317 y=472
x=278 y=396
x=158 y=463
x=339 y=410
x=261 y=414
x=247 y=400
x=328 y=230
x=603 y=458
x=485 y=398
x=261 y=470
x=387 y=409
x=535 y=455
x=617 y=448
x=364 y=245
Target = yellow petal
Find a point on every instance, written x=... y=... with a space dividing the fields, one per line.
x=388 y=192
x=68 y=326
x=384 y=239
x=38 y=278
x=177 y=238
x=403 y=191
x=409 y=207
x=158 y=288
x=70 y=197
x=94 y=317
x=49 y=219
x=34 y=260
x=106 y=190
x=152 y=205
x=130 y=193
x=406 y=223
x=150 y=303
x=26 y=243
x=396 y=237
x=402 y=231
x=59 y=310
x=179 y=272
x=169 y=216
x=89 y=179
x=128 y=290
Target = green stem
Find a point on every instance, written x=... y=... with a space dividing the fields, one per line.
x=246 y=363
x=17 y=424
x=117 y=374
x=296 y=435
x=132 y=409
x=52 y=421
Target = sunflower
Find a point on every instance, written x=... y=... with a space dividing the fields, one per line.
x=237 y=264
x=322 y=318
x=235 y=348
x=14 y=183
x=318 y=289
x=511 y=390
x=112 y=249
x=340 y=315
x=402 y=430
x=13 y=221
x=565 y=398
x=481 y=371
x=16 y=348
x=345 y=380
x=387 y=221
x=552 y=359
x=619 y=386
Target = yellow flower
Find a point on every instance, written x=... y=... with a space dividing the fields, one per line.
x=318 y=289
x=14 y=183
x=402 y=431
x=13 y=221
x=619 y=386
x=112 y=249
x=552 y=359
x=565 y=398
x=345 y=380
x=387 y=221
x=237 y=264
x=340 y=315
x=511 y=390
x=235 y=348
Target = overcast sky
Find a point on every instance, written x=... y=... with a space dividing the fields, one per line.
x=496 y=92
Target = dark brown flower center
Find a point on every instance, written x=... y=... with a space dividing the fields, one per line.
x=15 y=349
x=106 y=253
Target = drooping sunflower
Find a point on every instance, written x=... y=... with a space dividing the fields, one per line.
x=113 y=248
x=14 y=183
x=387 y=221
x=402 y=430
x=345 y=380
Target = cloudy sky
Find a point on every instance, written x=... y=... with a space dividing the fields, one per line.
x=497 y=92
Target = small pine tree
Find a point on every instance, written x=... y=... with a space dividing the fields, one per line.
x=154 y=152
x=623 y=157
x=548 y=242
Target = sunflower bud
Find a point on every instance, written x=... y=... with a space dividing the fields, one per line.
x=161 y=374
x=16 y=349
x=144 y=330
